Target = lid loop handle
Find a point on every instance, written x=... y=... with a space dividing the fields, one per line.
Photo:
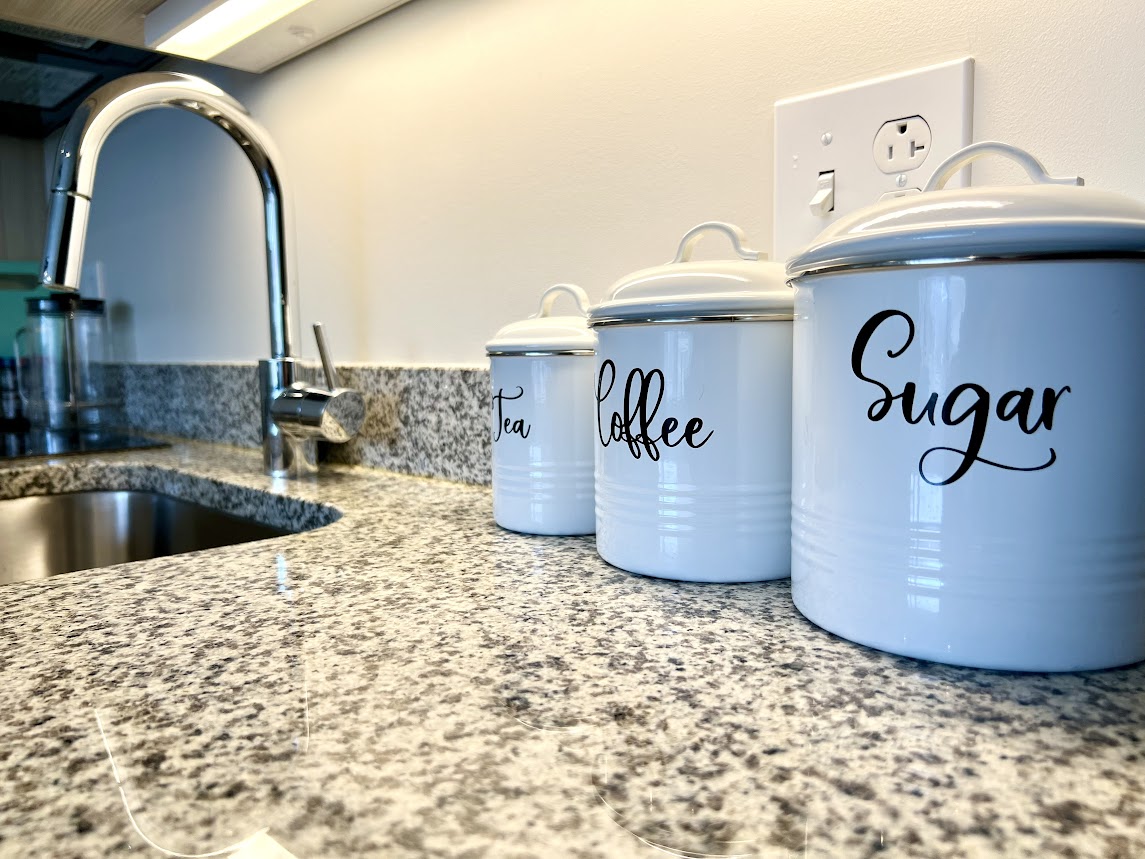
x=738 y=240
x=1033 y=167
x=550 y=296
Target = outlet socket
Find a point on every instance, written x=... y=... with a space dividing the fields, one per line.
x=835 y=132
x=901 y=145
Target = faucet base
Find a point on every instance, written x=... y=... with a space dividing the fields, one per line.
x=284 y=455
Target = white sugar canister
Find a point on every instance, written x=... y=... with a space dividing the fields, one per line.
x=541 y=420
x=968 y=460
x=693 y=417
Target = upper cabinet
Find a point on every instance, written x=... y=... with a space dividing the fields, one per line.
x=252 y=35
x=107 y=20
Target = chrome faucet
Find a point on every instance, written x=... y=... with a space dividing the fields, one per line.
x=294 y=415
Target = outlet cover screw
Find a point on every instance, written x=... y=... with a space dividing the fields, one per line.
x=900 y=180
x=826 y=138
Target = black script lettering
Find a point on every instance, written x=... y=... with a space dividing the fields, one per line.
x=637 y=409
x=509 y=425
x=693 y=426
x=610 y=368
x=979 y=410
x=633 y=423
x=1023 y=401
x=1012 y=404
x=882 y=406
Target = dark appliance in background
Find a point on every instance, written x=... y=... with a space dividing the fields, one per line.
x=44 y=75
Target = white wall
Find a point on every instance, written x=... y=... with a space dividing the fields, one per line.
x=451 y=159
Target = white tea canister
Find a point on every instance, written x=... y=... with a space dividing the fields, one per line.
x=968 y=460
x=541 y=420
x=693 y=417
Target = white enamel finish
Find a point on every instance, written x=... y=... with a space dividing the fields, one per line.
x=1053 y=216
x=544 y=332
x=966 y=156
x=715 y=509
x=542 y=429
x=686 y=288
x=734 y=233
x=1039 y=570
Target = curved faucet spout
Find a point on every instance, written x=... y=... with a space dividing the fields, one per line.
x=74 y=177
x=294 y=415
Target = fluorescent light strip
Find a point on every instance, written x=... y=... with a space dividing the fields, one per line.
x=226 y=25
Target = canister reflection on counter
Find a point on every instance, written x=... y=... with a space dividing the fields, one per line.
x=192 y=703
x=297 y=661
x=263 y=844
x=534 y=703
x=644 y=830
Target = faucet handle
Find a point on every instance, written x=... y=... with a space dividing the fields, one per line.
x=304 y=412
x=324 y=353
x=333 y=413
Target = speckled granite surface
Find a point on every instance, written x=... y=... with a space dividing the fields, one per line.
x=209 y=402
x=412 y=681
x=426 y=421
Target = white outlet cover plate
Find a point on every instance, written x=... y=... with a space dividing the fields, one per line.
x=852 y=115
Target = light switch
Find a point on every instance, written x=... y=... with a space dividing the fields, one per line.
x=824 y=199
x=834 y=133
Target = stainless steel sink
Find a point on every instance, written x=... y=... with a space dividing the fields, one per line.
x=47 y=535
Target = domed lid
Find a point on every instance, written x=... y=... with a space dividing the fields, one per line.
x=546 y=334
x=1053 y=217
x=682 y=290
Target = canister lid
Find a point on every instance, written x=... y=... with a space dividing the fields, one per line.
x=684 y=290
x=545 y=334
x=1056 y=216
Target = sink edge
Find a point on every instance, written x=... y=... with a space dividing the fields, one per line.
x=248 y=502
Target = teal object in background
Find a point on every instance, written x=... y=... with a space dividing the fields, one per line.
x=18 y=281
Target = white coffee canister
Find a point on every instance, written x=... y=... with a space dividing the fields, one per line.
x=693 y=418
x=968 y=459
x=542 y=420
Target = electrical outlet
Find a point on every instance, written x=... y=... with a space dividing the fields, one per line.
x=839 y=150
x=902 y=145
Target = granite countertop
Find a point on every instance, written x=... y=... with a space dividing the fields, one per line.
x=410 y=680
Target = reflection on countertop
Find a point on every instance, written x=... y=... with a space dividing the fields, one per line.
x=410 y=680
x=26 y=443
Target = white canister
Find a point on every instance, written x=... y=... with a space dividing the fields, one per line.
x=541 y=420
x=693 y=418
x=968 y=461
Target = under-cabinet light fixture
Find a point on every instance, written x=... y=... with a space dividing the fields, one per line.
x=203 y=29
x=253 y=35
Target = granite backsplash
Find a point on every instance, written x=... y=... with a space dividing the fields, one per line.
x=425 y=421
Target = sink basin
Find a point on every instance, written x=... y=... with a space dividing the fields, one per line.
x=47 y=535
